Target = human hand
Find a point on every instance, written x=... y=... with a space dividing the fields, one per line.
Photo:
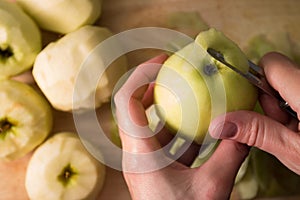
x=148 y=172
x=276 y=133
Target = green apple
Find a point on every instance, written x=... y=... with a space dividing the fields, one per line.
x=20 y=40
x=62 y=16
x=61 y=168
x=192 y=87
x=57 y=67
x=25 y=119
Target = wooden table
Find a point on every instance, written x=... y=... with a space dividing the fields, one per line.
x=239 y=20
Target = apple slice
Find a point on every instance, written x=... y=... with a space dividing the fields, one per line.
x=192 y=87
x=25 y=119
x=63 y=16
x=61 y=168
x=20 y=40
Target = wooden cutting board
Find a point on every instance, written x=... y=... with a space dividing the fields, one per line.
x=239 y=20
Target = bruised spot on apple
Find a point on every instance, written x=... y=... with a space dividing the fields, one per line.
x=210 y=69
x=192 y=87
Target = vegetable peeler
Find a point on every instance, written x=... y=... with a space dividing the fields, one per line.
x=256 y=76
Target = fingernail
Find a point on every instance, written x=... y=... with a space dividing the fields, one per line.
x=224 y=130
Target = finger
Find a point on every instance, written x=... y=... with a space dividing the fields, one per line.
x=260 y=131
x=222 y=167
x=146 y=93
x=147 y=99
x=284 y=76
x=131 y=117
x=271 y=108
x=130 y=95
x=230 y=154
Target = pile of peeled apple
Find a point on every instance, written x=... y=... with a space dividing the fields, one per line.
x=191 y=89
x=60 y=167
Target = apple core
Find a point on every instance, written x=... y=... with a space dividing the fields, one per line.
x=5 y=53
x=66 y=175
x=5 y=126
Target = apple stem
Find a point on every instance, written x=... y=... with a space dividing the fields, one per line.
x=5 y=53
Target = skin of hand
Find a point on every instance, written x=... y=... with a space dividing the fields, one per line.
x=213 y=180
x=277 y=132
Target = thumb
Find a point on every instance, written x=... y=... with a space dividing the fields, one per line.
x=221 y=169
x=254 y=129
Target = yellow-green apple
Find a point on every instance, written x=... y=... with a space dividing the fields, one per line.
x=192 y=87
x=20 y=40
x=61 y=168
x=25 y=119
x=62 y=16
x=59 y=65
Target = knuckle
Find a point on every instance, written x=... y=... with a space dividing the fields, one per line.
x=210 y=189
x=256 y=136
x=120 y=98
x=117 y=98
x=297 y=108
x=215 y=190
x=253 y=132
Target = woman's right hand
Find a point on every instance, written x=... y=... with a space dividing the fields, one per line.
x=277 y=132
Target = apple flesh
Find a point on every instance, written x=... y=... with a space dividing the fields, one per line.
x=25 y=119
x=20 y=40
x=62 y=16
x=57 y=67
x=192 y=87
x=61 y=168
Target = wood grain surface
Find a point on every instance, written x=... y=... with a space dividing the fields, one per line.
x=239 y=20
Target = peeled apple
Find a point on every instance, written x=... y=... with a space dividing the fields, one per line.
x=57 y=67
x=61 y=168
x=192 y=87
x=62 y=16
x=20 y=40
x=25 y=119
